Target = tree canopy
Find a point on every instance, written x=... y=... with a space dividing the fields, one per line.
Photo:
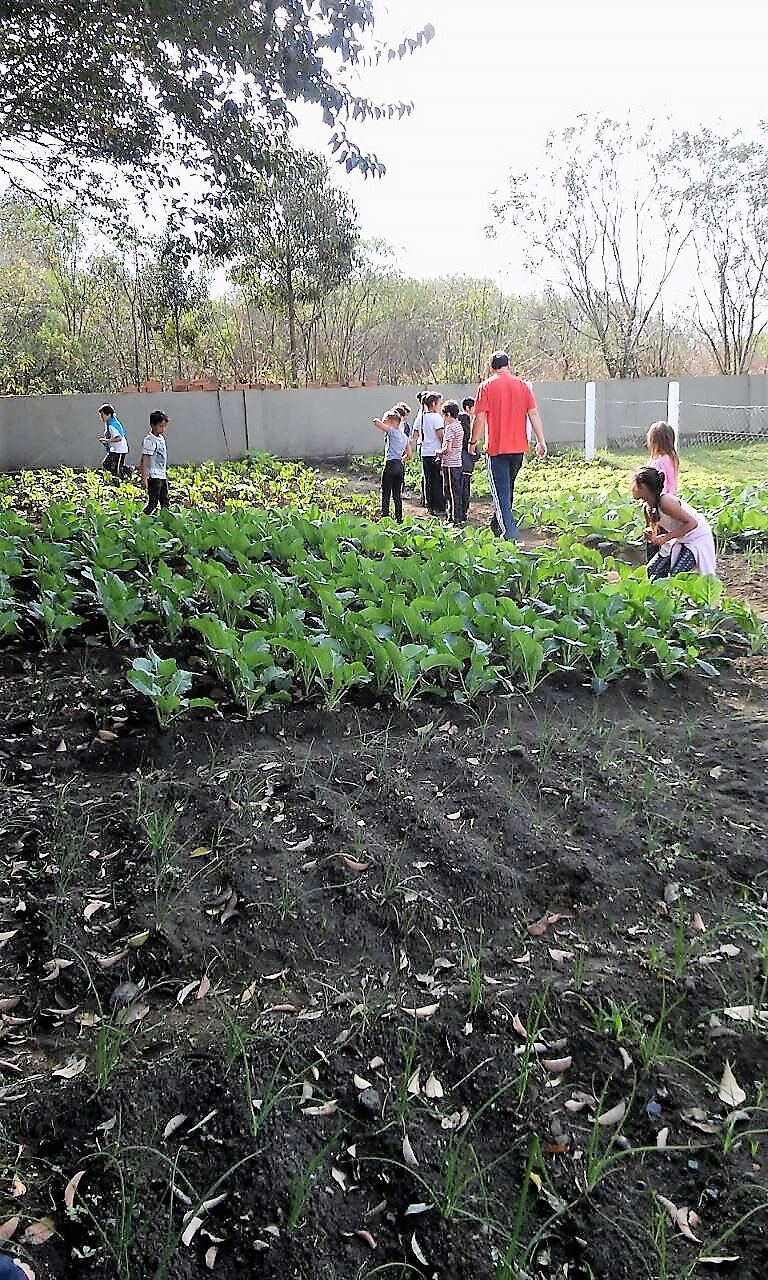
x=205 y=84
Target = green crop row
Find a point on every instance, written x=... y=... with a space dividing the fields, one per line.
x=257 y=480
x=569 y=495
x=278 y=606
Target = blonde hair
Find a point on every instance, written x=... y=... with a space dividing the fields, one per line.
x=660 y=441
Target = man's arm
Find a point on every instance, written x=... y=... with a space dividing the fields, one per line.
x=479 y=424
x=534 y=417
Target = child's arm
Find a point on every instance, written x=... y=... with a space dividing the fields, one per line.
x=408 y=452
x=382 y=426
x=671 y=507
x=144 y=470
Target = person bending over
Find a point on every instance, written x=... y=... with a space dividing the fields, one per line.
x=682 y=538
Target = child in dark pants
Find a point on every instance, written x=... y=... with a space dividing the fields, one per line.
x=396 y=449
x=468 y=459
x=449 y=454
x=154 y=463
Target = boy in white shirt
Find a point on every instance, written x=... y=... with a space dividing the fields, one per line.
x=154 y=463
x=115 y=443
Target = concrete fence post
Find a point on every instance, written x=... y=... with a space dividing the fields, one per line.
x=673 y=409
x=589 y=421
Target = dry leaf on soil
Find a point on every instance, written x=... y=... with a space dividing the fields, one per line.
x=71 y=1068
x=39 y=1232
x=614 y=1115
x=433 y=1087
x=730 y=1091
x=173 y=1124
x=408 y=1153
x=683 y=1219
x=8 y=1229
x=71 y=1188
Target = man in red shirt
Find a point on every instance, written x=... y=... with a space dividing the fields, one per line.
x=503 y=408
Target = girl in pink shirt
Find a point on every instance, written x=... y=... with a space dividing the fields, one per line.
x=661 y=446
x=660 y=442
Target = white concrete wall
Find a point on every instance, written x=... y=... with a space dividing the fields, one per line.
x=50 y=431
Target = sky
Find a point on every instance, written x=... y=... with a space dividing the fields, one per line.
x=499 y=76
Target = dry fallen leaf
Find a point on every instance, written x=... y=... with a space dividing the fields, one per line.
x=6 y=937
x=18 y=1188
x=72 y=1067
x=210 y=1256
x=721 y=1261
x=325 y=1109
x=204 y=988
x=683 y=1219
x=71 y=1188
x=8 y=1229
x=353 y=865
x=367 y=1238
x=408 y=1154
x=106 y=735
x=173 y=1124
x=559 y=957
x=433 y=1087
x=424 y=1011
x=95 y=905
x=191 y=1230
x=417 y=1251
x=730 y=1091
x=558 y=1065
x=414 y=1084
x=661 y=1138
x=698 y=923
x=361 y=1083
x=553 y=917
x=39 y=1232
x=519 y=1026
x=614 y=1115
x=740 y=1012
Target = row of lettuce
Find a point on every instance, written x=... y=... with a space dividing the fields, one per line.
x=277 y=606
x=589 y=500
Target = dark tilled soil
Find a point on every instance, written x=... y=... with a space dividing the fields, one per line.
x=437 y=928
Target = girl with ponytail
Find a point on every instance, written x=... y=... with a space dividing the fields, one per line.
x=682 y=537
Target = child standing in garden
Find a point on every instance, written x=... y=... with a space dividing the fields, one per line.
x=468 y=459
x=449 y=455
x=660 y=442
x=154 y=463
x=396 y=449
x=664 y=456
x=115 y=443
x=681 y=538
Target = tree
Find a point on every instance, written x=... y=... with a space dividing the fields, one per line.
x=724 y=178
x=600 y=212
x=148 y=87
x=296 y=241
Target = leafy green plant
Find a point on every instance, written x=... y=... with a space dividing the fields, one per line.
x=166 y=685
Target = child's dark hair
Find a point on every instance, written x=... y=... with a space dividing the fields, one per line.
x=661 y=440
x=451 y=407
x=157 y=416
x=653 y=479
x=467 y=403
x=107 y=408
x=429 y=400
x=403 y=409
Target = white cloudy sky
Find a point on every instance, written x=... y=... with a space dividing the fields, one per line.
x=500 y=74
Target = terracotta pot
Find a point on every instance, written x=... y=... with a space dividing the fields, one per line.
x=129 y=391
x=179 y=386
x=152 y=387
